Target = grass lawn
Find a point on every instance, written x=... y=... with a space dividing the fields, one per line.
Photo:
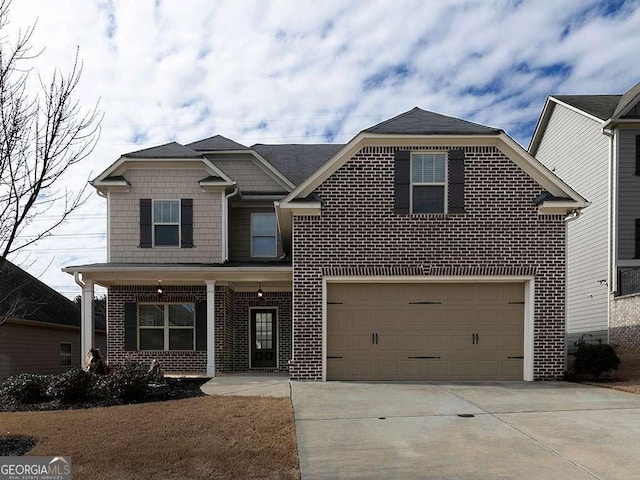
x=195 y=438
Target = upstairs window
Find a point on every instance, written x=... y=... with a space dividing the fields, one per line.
x=428 y=182
x=166 y=223
x=263 y=235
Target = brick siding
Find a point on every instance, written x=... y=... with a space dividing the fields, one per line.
x=358 y=227
x=624 y=328
x=231 y=325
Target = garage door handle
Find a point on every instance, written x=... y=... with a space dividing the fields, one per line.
x=517 y=357
x=332 y=357
x=423 y=356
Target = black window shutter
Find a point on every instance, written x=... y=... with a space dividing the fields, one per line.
x=201 y=326
x=186 y=223
x=145 y=223
x=130 y=326
x=402 y=181
x=456 y=181
x=637 y=154
x=637 y=238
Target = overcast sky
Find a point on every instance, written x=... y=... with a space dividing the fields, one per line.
x=310 y=72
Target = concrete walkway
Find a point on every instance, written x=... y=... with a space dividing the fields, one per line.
x=511 y=430
x=249 y=385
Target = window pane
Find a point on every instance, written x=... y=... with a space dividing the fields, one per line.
x=438 y=168
x=151 y=315
x=166 y=211
x=181 y=339
x=151 y=338
x=428 y=199
x=65 y=355
x=428 y=168
x=166 y=235
x=182 y=315
x=264 y=331
x=264 y=246
x=263 y=224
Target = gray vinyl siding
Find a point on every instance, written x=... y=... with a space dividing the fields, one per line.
x=576 y=150
x=245 y=171
x=240 y=232
x=628 y=193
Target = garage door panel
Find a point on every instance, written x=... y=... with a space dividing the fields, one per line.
x=473 y=328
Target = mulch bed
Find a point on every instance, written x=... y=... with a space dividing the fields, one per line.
x=175 y=389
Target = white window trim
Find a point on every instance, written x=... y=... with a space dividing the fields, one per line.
x=166 y=326
x=70 y=354
x=154 y=223
x=275 y=235
x=444 y=184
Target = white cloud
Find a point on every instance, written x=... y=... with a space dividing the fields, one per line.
x=290 y=71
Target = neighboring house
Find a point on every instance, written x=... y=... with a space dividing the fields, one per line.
x=427 y=247
x=39 y=328
x=593 y=143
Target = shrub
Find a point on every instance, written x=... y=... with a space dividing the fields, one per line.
x=72 y=386
x=128 y=382
x=25 y=387
x=594 y=358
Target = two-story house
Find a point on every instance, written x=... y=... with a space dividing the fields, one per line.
x=593 y=143
x=427 y=247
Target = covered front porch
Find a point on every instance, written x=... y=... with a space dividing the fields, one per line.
x=192 y=318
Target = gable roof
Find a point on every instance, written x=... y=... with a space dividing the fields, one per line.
x=217 y=143
x=297 y=161
x=33 y=299
x=422 y=122
x=630 y=97
x=168 y=150
x=600 y=106
x=607 y=109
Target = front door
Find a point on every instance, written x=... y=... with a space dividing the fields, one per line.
x=263 y=338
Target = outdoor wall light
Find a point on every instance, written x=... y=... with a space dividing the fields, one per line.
x=160 y=289
x=260 y=292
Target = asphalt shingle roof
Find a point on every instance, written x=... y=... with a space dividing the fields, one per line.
x=217 y=143
x=28 y=298
x=422 y=122
x=600 y=106
x=168 y=150
x=627 y=98
x=297 y=161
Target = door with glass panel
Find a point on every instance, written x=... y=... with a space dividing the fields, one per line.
x=263 y=338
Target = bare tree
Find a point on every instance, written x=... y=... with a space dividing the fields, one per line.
x=43 y=133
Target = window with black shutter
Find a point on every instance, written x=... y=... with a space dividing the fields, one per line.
x=428 y=182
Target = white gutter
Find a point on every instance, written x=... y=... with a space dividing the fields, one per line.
x=76 y=278
x=612 y=279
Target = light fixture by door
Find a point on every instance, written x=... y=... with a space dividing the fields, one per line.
x=260 y=292
x=160 y=289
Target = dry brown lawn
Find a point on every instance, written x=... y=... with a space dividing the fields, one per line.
x=196 y=438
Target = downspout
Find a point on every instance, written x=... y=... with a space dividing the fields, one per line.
x=76 y=278
x=612 y=279
x=225 y=223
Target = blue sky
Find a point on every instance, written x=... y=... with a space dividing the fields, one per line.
x=310 y=72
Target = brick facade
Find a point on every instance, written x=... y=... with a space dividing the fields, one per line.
x=499 y=229
x=624 y=327
x=231 y=327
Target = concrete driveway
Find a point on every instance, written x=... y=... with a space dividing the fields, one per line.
x=542 y=430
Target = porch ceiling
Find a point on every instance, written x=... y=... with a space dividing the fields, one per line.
x=238 y=277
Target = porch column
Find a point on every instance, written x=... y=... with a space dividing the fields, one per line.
x=211 y=328
x=87 y=326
